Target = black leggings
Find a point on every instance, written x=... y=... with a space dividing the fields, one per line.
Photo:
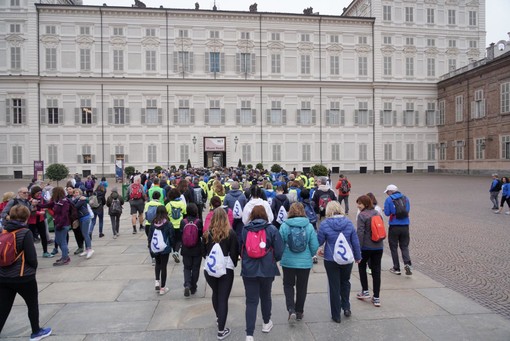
x=29 y=293
x=40 y=228
x=79 y=237
x=160 y=268
x=503 y=200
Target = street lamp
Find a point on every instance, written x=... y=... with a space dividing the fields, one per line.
x=194 y=139
x=236 y=141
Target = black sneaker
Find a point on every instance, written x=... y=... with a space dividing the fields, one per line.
x=395 y=271
x=299 y=316
x=347 y=313
x=408 y=269
x=186 y=293
x=223 y=334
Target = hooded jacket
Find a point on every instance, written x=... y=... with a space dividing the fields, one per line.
x=390 y=211
x=166 y=230
x=256 y=202
x=265 y=266
x=60 y=212
x=24 y=268
x=329 y=230
x=234 y=195
x=114 y=195
x=364 y=231
x=302 y=260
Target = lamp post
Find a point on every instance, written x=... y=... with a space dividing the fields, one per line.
x=236 y=141
x=194 y=139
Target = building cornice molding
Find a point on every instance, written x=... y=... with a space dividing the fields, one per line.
x=15 y=40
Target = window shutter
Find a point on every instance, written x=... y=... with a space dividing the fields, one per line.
x=93 y=159
x=254 y=116
x=381 y=117
x=192 y=118
x=417 y=118
x=126 y=158
x=284 y=116
x=370 y=117
x=222 y=116
x=238 y=62
x=207 y=64
x=473 y=111
x=126 y=116
x=8 y=112
x=356 y=114
x=143 y=116
x=176 y=62
x=394 y=118
x=112 y=158
x=23 y=111
x=482 y=114
x=76 y=115
x=94 y=116
x=43 y=115
x=404 y=118
x=298 y=117
x=238 y=116
x=253 y=62
x=80 y=158
x=342 y=117
x=314 y=116
x=206 y=116
x=268 y=116
x=110 y=115
x=176 y=116
x=191 y=59
x=60 y=115
x=327 y=117
x=222 y=62
x=160 y=115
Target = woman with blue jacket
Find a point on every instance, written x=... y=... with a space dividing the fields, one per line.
x=505 y=195
x=338 y=275
x=296 y=265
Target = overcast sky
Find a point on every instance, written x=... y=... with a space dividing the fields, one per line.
x=497 y=25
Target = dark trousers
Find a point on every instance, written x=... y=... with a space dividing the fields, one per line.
x=29 y=293
x=372 y=257
x=176 y=241
x=115 y=220
x=238 y=228
x=160 y=267
x=78 y=237
x=339 y=277
x=295 y=278
x=346 y=199
x=191 y=269
x=257 y=288
x=40 y=228
x=398 y=235
x=99 y=213
x=221 y=288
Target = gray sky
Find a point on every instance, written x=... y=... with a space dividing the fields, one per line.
x=497 y=25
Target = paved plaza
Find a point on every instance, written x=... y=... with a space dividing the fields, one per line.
x=460 y=289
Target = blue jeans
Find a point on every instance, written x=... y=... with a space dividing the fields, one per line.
x=339 y=277
x=61 y=239
x=84 y=228
x=100 y=214
x=256 y=288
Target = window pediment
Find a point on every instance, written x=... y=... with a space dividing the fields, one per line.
x=15 y=40
x=50 y=40
x=150 y=42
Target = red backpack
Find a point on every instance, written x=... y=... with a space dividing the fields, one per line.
x=136 y=192
x=377 y=227
x=256 y=244
x=8 y=250
x=190 y=233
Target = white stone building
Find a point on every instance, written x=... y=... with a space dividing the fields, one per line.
x=86 y=85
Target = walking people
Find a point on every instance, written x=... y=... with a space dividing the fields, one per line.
x=191 y=251
x=259 y=273
x=162 y=224
x=322 y=196
x=256 y=200
x=176 y=209
x=20 y=276
x=220 y=233
x=494 y=191
x=343 y=187
x=136 y=202
x=396 y=207
x=300 y=244
x=97 y=204
x=80 y=202
x=505 y=195
x=78 y=236
x=339 y=275
x=371 y=251
x=114 y=204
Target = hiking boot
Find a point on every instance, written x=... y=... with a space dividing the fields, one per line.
x=266 y=327
x=409 y=269
x=395 y=271
x=223 y=334
x=41 y=334
x=156 y=285
x=141 y=228
x=48 y=255
x=78 y=251
x=187 y=292
x=376 y=301
x=363 y=295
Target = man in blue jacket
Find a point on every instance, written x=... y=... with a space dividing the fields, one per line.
x=397 y=207
x=494 y=191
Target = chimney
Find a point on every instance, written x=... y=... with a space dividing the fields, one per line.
x=490 y=52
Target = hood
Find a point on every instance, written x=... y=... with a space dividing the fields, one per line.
x=297 y=221
x=256 y=225
x=160 y=223
x=337 y=223
x=115 y=195
x=13 y=225
x=236 y=193
x=396 y=195
x=281 y=197
x=324 y=188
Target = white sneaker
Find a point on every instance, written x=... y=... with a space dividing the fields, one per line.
x=84 y=253
x=249 y=338
x=266 y=327
x=90 y=253
x=507 y=212
x=114 y=236
x=163 y=291
x=156 y=285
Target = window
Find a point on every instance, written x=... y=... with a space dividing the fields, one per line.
x=334 y=65
x=479 y=149
x=305 y=114
x=409 y=66
x=86 y=154
x=409 y=115
x=442 y=151
x=409 y=152
x=335 y=115
x=118 y=60
x=431 y=151
x=150 y=32
x=307 y=152
x=15 y=57
x=275 y=36
x=459 y=150
x=214 y=34
x=245 y=113
x=387 y=13
x=473 y=44
x=84 y=30
x=478 y=105
x=214 y=113
x=362 y=66
x=388 y=155
x=452 y=43
x=183 y=116
x=431 y=67
x=214 y=62
x=119 y=116
x=430 y=115
x=277 y=152
x=277 y=114
x=150 y=60
x=440 y=118
x=15 y=3
x=184 y=153
x=276 y=60
x=51 y=58
x=52 y=154
x=305 y=37
x=84 y=59
x=184 y=60
x=459 y=108
x=17 y=111
x=333 y=39
x=183 y=33
x=361 y=114
x=430 y=16
x=362 y=40
x=17 y=155
x=431 y=42
x=388 y=116
x=451 y=17
x=52 y=111
x=387 y=63
x=152 y=112
x=505 y=147
x=505 y=98
x=472 y=18
x=305 y=64
x=246 y=153
x=409 y=14
x=15 y=28
x=452 y=64
x=409 y=41
x=363 y=152
x=246 y=62
x=50 y=29
x=245 y=35
x=86 y=111
x=152 y=154
x=118 y=31
x=387 y=40
x=335 y=152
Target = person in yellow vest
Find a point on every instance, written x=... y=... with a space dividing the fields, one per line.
x=303 y=178
x=176 y=209
x=311 y=182
x=218 y=190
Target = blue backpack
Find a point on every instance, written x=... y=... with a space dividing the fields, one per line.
x=297 y=239
x=310 y=213
x=151 y=213
x=176 y=212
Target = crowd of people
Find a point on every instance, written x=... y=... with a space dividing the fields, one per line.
x=254 y=217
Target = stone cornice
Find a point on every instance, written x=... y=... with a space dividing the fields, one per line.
x=15 y=40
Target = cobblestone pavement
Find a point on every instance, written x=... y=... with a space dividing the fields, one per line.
x=455 y=237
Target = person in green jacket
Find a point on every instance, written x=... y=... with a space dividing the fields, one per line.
x=296 y=264
x=157 y=188
x=176 y=209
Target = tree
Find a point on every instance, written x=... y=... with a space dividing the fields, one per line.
x=57 y=172
x=239 y=164
x=276 y=168
x=129 y=170
x=320 y=170
x=259 y=166
x=188 y=166
x=158 y=169
x=181 y=167
x=249 y=166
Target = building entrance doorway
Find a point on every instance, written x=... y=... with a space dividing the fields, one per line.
x=214 y=152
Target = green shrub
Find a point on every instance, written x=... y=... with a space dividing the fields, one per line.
x=249 y=166
x=57 y=172
x=158 y=169
x=319 y=170
x=129 y=170
x=276 y=168
x=259 y=166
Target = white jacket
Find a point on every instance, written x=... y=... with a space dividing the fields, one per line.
x=256 y=202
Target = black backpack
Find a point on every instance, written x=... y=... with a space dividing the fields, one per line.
x=401 y=207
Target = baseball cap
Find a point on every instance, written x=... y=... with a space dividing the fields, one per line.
x=391 y=188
